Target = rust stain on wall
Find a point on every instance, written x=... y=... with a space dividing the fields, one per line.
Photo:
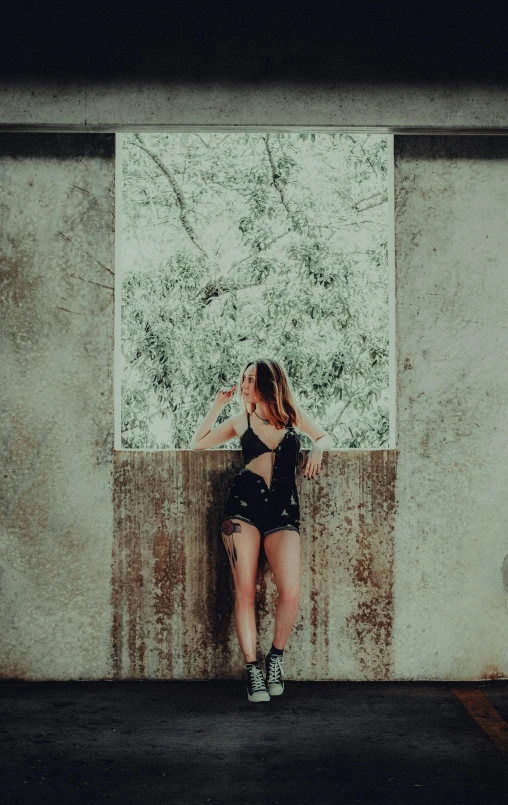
x=492 y=672
x=373 y=564
x=13 y=671
x=172 y=589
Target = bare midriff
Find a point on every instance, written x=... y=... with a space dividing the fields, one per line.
x=263 y=465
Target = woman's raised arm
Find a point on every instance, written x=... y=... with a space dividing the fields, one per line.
x=206 y=435
x=216 y=436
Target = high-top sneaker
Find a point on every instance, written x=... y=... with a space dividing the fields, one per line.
x=274 y=675
x=256 y=688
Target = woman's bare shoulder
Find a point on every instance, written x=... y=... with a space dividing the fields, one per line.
x=239 y=422
x=298 y=424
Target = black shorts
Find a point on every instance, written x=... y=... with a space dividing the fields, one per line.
x=250 y=500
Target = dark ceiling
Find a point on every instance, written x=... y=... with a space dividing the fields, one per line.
x=202 y=41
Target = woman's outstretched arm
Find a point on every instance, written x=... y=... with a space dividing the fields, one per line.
x=319 y=436
x=322 y=441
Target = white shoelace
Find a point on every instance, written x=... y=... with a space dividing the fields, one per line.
x=275 y=668
x=258 y=683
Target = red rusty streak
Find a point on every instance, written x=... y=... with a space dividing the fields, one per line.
x=14 y=670
x=492 y=672
x=134 y=578
x=120 y=473
x=371 y=562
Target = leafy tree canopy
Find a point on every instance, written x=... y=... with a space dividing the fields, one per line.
x=236 y=245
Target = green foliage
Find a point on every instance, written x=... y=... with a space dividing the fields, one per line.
x=242 y=245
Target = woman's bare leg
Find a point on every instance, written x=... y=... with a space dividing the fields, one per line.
x=242 y=541
x=282 y=550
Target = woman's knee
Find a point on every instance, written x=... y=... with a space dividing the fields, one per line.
x=290 y=594
x=245 y=594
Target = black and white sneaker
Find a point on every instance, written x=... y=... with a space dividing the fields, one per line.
x=256 y=688
x=274 y=675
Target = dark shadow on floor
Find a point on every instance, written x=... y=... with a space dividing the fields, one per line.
x=198 y=742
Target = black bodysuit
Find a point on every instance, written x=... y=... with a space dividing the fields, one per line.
x=269 y=508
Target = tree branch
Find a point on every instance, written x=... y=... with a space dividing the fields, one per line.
x=181 y=204
x=251 y=256
x=275 y=180
x=384 y=198
x=214 y=289
x=367 y=157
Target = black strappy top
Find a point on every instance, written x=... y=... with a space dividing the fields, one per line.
x=286 y=452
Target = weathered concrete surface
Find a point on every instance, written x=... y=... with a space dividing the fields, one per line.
x=451 y=546
x=321 y=743
x=56 y=404
x=405 y=573
x=173 y=593
x=350 y=104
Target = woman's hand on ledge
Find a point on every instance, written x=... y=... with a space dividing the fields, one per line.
x=315 y=456
x=313 y=464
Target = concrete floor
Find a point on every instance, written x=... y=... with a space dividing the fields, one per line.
x=199 y=742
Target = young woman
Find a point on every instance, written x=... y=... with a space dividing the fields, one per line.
x=263 y=505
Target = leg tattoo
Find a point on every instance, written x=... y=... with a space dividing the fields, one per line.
x=228 y=528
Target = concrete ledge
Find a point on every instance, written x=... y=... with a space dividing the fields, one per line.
x=396 y=107
x=173 y=593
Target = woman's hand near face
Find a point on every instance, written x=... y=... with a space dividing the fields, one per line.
x=224 y=397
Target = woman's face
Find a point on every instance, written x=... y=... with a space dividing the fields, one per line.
x=249 y=383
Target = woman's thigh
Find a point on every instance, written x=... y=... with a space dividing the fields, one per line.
x=283 y=552
x=242 y=541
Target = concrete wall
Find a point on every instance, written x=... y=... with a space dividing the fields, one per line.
x=451 y=539
x=56 y=404
x=416 y=581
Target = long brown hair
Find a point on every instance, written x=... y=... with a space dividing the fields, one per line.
x=273 y=386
